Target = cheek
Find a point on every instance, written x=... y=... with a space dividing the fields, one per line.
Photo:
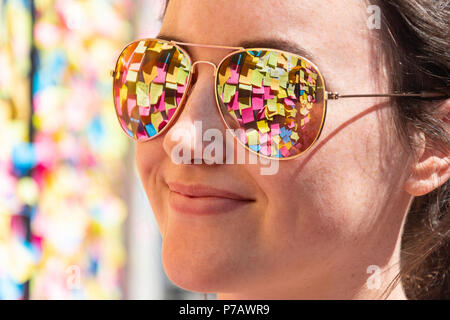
x=148 y=164
x=334 y=196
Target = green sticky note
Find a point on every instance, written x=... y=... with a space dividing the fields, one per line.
x=172 y=86
x=155 y=92
x=252 y=137
x=244 y=102
x=284 y=78
x=273 y=59
x=171 y=102
x=257 y=78
x=181 y=76
x=267 y=80
x=245 y=87
x=272 y=104
x=228 y=92
x=219 y=90
x=142 y=94
x=291 y=90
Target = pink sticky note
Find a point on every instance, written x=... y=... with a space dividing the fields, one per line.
x=258 y=90
x=261 y=114
x=234 y=104
x=181 y=89
x=179 y=95
x=162 y=70
x=275 y=129
x=257 y=102
x=234 y=74
x=161 y=104
x=242 y=136
x=285 y=152
x=118 y=106
x=264 y=138
x=144 y=111
x=162 y=125
x=141 y=132
x=170 y=113
x=288 y=102
x=306 y=119
x=265 y=150
x=267 y=94
x=131 y=103
x=247 y=115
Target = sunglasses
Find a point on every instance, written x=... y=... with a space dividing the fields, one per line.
x=274 y=102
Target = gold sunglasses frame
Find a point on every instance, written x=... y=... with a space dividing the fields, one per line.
x=326 y=95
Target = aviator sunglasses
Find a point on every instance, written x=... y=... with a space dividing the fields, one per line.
x=274 y=102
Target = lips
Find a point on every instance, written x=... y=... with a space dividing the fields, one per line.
x=204 y=200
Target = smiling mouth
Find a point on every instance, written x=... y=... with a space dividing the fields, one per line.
x=204 y=200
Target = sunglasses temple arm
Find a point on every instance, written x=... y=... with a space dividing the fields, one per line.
x=423 y=94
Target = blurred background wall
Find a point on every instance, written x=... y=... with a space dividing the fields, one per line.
x=74 y=220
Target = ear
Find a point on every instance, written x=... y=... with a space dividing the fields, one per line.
x=431 y=168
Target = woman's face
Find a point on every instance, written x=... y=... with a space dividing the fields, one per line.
x=323 y=218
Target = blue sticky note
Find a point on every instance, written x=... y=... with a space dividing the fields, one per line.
x=150 y=129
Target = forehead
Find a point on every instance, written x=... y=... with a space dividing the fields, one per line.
x=334 y=31
x=228 y=22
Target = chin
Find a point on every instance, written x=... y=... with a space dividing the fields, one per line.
x=199 y=269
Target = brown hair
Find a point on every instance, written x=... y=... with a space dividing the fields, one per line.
x=415 y=47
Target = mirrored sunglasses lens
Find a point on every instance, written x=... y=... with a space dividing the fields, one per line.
x=276 y=100
x=149 y=83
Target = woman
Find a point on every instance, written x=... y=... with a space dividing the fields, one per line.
x=339 y=218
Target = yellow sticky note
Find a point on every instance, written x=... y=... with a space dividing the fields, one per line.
x=171 y=75
x=148 y=77
x=274 y=84
x=157 y=46
x=280 y=109
x=252 y=137
x=123 y=93
x=155 y=92
x=223 y=77
x=142 y=94
x=246 y=76
x=263 y=126
x=156 y=119
x=132 y=76
x=282 y=93
x=294 y=136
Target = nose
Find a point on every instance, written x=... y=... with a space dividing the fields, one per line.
x=198 y=135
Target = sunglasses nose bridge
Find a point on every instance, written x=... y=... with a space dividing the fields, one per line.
x=204 y=61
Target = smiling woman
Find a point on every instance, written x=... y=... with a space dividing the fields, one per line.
x=339 y=206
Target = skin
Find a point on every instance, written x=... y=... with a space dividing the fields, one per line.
x=315 y=227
